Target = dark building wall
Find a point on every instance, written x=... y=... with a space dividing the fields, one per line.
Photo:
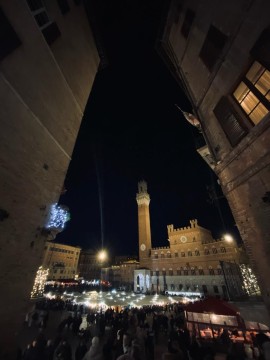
x=239 y=147
x=43 y=92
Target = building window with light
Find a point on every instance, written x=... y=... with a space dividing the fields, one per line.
x=253 y=92
x=249 y=102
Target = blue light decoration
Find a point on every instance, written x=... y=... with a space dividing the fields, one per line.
x=58 y=216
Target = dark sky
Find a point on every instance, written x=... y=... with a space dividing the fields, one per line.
x=132 y=131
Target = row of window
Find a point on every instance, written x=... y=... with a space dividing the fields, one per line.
x=186 y=272
x=62 y=250
x=64 y=271
x=251 y=93
x=191 y=253
x=9 y=40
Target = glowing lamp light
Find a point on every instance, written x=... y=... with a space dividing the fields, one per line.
x=228 y=238
x=102 y=255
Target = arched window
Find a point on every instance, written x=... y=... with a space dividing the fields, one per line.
x=189 y=252
x=201 y=272
x=171 y=272
x=176 y=254
x=156 y=255
x=197 y=253
x=169 y=255
x=162 y=255
x=185 y=271
x=206 y=251
x=223 y=249
x=183 y=254
x=219 y=271
x=211 y=271
x=214 y=250
x=178 y=271
x=193 y=271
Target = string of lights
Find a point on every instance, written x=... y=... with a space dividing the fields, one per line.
x=39 y=283
x=58 y=217
x=250 y=282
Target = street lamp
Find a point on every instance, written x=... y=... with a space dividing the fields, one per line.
x=102 y=257
x=228 y=238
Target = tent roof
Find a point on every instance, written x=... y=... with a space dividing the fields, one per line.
x=213 y=305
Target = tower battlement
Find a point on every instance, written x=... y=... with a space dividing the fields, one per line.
x=193 y=224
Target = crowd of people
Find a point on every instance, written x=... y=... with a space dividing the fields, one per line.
x=128 y=334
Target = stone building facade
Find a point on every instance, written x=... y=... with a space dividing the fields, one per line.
x=192 y=261
x=48 y=62
x=61 y=260
x=220 y=55
x=89 y=265
x=121 y=275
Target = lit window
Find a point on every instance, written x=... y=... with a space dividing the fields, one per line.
x=253 y=92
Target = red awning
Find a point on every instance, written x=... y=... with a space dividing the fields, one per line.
x=213 y=306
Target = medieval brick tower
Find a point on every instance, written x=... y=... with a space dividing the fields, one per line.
x=143 y=201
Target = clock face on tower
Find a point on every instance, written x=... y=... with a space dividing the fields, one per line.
x=143 y=247
x=183 y=239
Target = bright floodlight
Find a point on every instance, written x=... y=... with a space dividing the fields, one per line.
x=228 y=237
x=102 y=255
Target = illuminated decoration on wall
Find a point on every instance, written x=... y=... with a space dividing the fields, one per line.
x=249 y=281
x=39 y=284
x=58 y=216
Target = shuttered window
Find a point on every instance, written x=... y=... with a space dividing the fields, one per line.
x=188 y=21
x=230 y=121
x=63 y=6
x=9 y=40
x=213 y=46
x=48 y=28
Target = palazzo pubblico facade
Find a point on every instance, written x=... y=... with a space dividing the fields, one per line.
x=193 y=262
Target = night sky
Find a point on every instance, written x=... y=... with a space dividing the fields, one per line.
x=132 y=130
